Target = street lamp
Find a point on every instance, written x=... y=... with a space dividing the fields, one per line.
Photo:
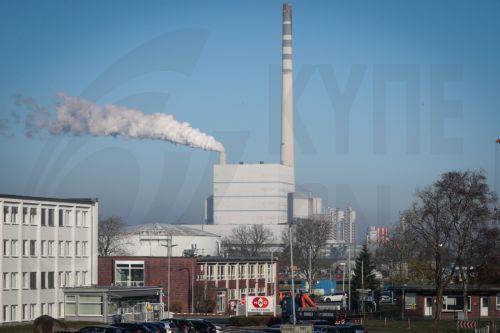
x=292 y=273
x=191 y=289
x=169 y=247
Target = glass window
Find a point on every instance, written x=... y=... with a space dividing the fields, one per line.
x=26 y=280
x=5 y=280
x=70 y=305
x=50 y=248
x=455 y=303
x=61 y=279
x=60 y=218
x=50 y=278
x=78 y=218
x=44 y=221
x=84 y=249
x=89 y=305
x=84 y=219
x=13 y=280
x=410 y=301
x=13 y=248
x=51 y=217
x=32 y=280
x=67 y=218
x=26 y=220
x=6 y=215
x=68 y=248
x=498 y=301
x=25 y=247
x=42 y=248
x=13 y=312
x=43 y=280
x=32 y=248
x=77 y=248
x=220 y=272
x=61 y=248
x=5 y=313
x=13 y=216
x=25 y=312
x=32 y=311
x=50 y=309
x=67 y=278
x=129 y=273
x=32 y=216
x=5 y=247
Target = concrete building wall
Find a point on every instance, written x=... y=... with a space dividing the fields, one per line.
x=150 y=240
x=251 y=193
x=61 y=246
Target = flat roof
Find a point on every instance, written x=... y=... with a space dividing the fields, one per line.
x=86 y=201
x=208 y=259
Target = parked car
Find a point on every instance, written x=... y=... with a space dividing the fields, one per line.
x=101 y=329
x=133 y=327
x=335 y=297
x=200 y=326
x=357 y=328
x=169 y=326
x=326 y=329
x=214 y=328
x=183 y=325
x=155 y=328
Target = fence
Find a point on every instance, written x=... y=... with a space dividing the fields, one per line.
x=143 y=312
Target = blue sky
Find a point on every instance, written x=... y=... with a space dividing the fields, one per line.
x=215 y=64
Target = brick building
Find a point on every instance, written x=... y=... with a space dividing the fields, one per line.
x=233 y=278
x=420 y=301
x=129 y=271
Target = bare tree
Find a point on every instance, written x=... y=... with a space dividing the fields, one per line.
x=248 y=241
x=110 y=240
x=449 y=221
x=309 y=244
x=468 y=202
x=427 y=220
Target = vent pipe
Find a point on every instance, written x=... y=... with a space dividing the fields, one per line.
x=287 y=150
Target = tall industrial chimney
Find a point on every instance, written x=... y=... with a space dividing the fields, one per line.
x=287 y=151
x=496 y=185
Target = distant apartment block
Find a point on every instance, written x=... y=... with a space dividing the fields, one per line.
x=47 y=244
x=342 y=225
x=376 y=235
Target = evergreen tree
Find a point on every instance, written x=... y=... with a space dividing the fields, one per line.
x=363 y=277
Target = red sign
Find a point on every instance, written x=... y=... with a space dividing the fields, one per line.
x=260 y=302
x=466 y=324
x=243 y=300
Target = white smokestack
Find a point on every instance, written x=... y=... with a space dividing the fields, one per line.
x=77 y=116
x=287 y=150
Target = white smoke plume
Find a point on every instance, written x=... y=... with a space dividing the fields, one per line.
x=77 y=116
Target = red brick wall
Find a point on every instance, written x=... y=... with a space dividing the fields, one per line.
x=155 y=274
x=473 y=314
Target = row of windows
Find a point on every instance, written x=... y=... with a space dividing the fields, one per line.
x=28 y=281
x=29 y=248
x=29 y=311
x=237 y=272
x=47 y=216
x=241 y=293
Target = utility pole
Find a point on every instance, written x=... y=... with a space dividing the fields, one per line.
x=349 y=272
x=169 y=247
x=292 y=273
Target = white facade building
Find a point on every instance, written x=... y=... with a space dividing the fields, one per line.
x=251 y=193
x=150 y=240
x=47 y=244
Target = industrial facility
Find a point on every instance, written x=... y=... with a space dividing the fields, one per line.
x=245 y=194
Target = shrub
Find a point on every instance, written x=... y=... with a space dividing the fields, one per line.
x=176 y=306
